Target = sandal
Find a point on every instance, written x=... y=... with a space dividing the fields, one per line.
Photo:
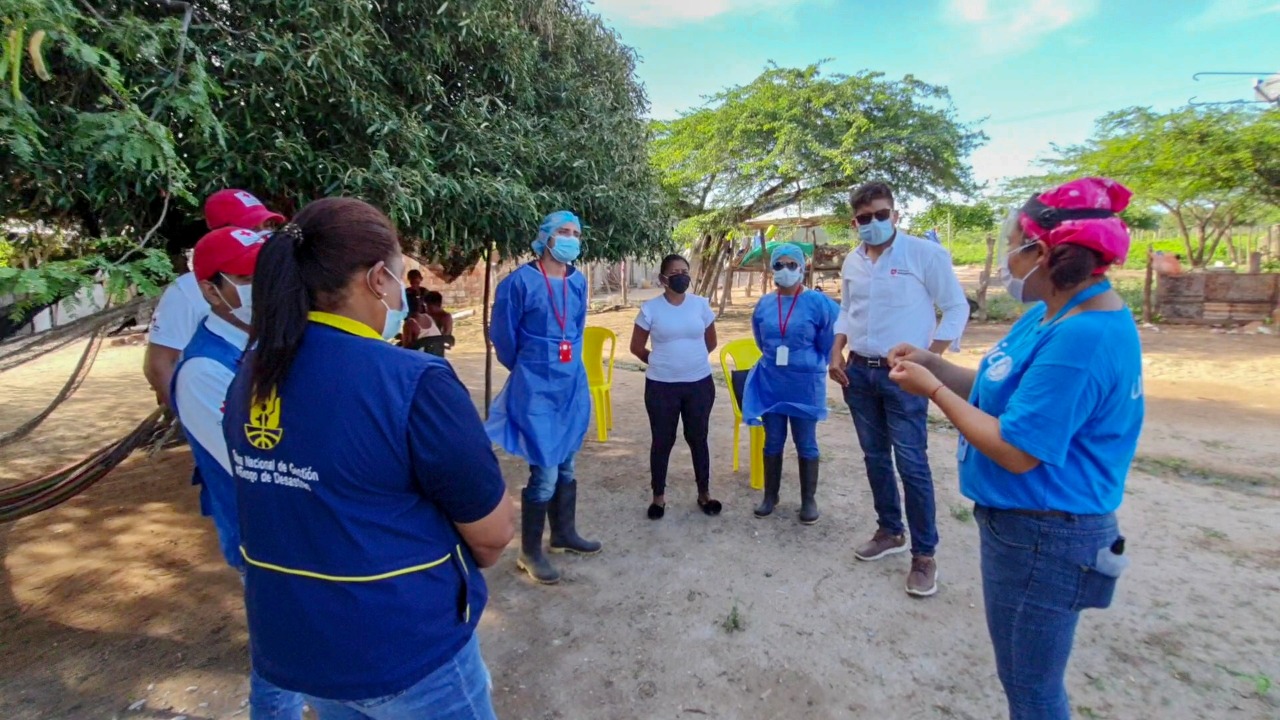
x=656 y=511
x=711 y=507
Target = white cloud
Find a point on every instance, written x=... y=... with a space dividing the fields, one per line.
x=665 y=13
x=1222 y=12
x=1004 y=27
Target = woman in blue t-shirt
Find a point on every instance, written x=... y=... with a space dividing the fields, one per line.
x=1048 y=431
x=678 y=385
x=369 y=495
x=795 y=330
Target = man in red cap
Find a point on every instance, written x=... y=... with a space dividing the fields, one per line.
x=223 y=265
x=183 y=306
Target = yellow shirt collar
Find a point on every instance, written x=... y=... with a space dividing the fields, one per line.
x=345 y=324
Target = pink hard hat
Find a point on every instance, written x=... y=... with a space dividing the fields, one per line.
x=1083 y=212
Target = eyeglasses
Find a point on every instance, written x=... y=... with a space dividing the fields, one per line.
x=881 y=215
x=779 y=266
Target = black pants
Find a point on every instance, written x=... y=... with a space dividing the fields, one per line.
x=669 y=404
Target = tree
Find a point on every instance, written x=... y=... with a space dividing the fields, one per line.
x=956 y=217
x=1199 y=165
x=795 y=135
x=465 y=122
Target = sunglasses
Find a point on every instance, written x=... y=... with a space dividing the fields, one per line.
x=881 y=215
x=779 y=266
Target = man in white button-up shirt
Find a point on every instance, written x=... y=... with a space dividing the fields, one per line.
x=890 y=286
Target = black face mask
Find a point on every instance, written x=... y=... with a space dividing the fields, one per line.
x=679 y=283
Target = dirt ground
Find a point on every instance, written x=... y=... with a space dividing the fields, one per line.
x=117 y=604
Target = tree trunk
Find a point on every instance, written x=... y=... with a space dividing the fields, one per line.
x=624 y=281
x=1146 y=288
x=726 y=296
x=488 y=342
x=985 y=278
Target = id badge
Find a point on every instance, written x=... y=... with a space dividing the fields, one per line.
x=962 y=449
x=566 y=351
x=784 y=356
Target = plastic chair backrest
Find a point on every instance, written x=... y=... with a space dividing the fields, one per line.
x=744 y=354
x=593 y=340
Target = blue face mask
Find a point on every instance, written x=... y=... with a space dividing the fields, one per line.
x=566 y=249
x=877 y=232
x=787 y=277
x=395 y=318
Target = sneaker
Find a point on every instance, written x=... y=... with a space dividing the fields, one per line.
x=882 y=544
x=922 y=581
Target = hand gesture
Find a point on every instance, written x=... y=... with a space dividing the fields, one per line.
x=907 y=351
x=914 y=378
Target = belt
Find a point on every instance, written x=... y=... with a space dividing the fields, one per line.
x=1055 y=514
x=871 y=362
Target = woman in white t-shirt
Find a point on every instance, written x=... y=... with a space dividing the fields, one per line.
x=678 y=385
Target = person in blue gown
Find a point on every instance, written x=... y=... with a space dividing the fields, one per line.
x=542 y=413
x=795 y=329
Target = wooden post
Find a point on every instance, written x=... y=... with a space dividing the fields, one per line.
x=488 y=342
x=1146 y=288
x=985 y=278
x=625 y=281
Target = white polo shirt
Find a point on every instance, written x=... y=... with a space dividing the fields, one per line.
x=202 y=383
x=893 y=300
x=178 y=314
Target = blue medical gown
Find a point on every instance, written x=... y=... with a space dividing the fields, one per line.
x=543 y=411
x=798 y=389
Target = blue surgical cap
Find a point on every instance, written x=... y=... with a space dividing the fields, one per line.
x=550 y=224
x=787 y=250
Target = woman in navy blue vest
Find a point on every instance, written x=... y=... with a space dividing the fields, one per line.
x=369 y=495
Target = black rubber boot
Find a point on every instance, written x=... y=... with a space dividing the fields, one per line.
x=562 y=512
x=772 y=484
x=533 y=516
x=808 y=488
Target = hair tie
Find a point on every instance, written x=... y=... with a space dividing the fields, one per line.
x=293 y=232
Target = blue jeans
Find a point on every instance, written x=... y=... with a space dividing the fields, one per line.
x=803 y=430
x=1038 y=573
x=891 y=425
x=457 y=690
x=268 y=701
x=543 y=480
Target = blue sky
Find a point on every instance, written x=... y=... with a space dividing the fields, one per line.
x=1039 y=71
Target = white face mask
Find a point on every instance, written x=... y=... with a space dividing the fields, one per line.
x=244 y=313
x=1015 y=286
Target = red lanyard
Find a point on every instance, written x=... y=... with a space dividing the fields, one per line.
x=784 y=323
x=561 y=316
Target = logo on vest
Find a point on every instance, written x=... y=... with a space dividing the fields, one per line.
x=999 y=368
x=263 y=429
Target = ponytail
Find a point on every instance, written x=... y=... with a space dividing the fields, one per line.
x=280 y=306
x=304 y=266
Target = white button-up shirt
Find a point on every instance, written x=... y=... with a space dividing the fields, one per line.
x=892 y=300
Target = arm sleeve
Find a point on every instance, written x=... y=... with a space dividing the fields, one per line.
x=755 y=329
x=948 y=295
x=451 y=455
x=1054 y=399
x=846 y=300
x=174 y=321
x=825 y=335
x=643 y=321
x=708 y=315
x=504 y=325
x=201 y=391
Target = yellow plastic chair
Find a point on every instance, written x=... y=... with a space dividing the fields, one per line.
x=743 y=354
x=600 y=376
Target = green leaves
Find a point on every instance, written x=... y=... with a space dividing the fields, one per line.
x=794 y=135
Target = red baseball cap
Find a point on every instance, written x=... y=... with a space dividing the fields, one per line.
x=233 y=251
x=236 y=208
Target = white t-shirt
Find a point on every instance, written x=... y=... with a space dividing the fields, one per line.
x=201 y=389
x=677 y=337
x=178 y=314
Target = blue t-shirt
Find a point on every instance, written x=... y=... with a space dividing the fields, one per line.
x=350 y=481
x=1070 y=395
